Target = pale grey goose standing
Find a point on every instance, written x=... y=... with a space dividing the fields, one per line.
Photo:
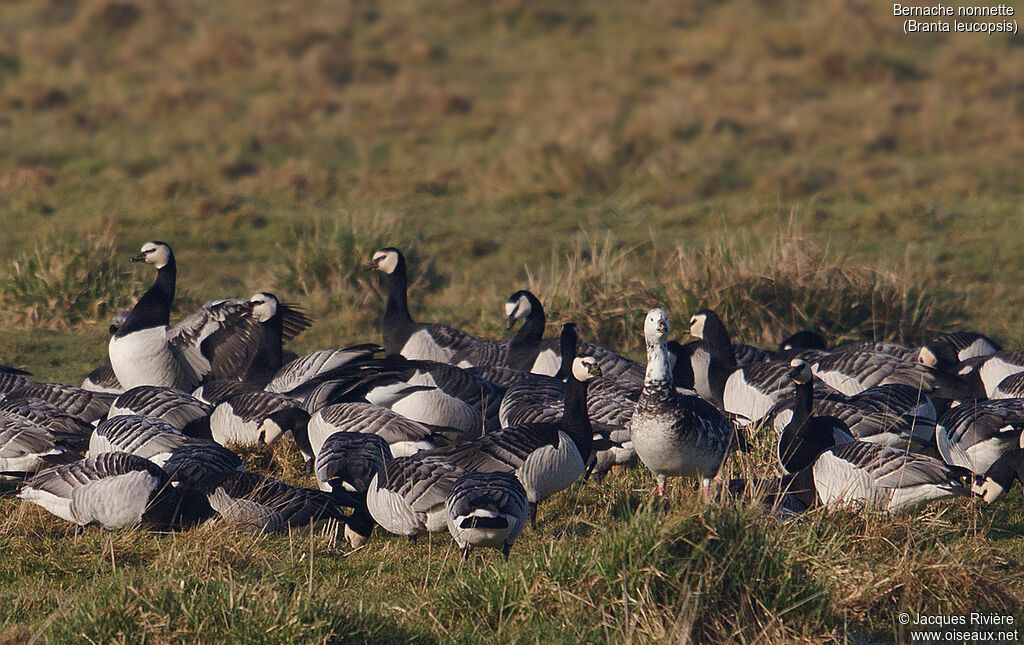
x=676 y=435
x=402 y=335
x=486 y=509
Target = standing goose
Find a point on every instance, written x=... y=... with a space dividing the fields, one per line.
x=676 y=435
x=402 y=335
x=486 y=509
x=260 y=417
x=407 y=496
x=114 y=490
x=523 y=351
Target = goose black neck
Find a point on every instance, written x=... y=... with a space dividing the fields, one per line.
x=575 y=418
x=716 y=340
x=397 y=320
x=532 y=331
x=804 y=400
x=269 y=354
x=154 y=307
x=801 y=486
x=567 y=346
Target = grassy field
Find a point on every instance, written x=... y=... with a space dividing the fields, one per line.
x=792 y=164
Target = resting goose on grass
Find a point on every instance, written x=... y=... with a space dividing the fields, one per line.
x=861 y=475
x=486 y=509
x=84 y=404
x=985 y=373
x=946 y=351
x=403 y=435
x=147 y=437
x=25 y=447
x=348 y=461
x=115 y=490
x=201 y=466
x=676 y=435
x=805 y=436
x=854 y=372
x=68 y=428
x=978 y=436
x=402 y=335
x=182 y=410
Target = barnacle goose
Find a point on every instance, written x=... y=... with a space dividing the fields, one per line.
x=674 y=434
x=201 y=466
x=148 y=437
x=486 y=509
x=805 y=436
x=985 y=438
x=985 y=373
x=949 y=349
x=264 y=504
x=546 y=457
x=406 y=496
x=182 y=410
x=524 y=350
x=862 y=475
x=279 y=323
x=260 y=417
x=84 y=404
x=402 y=335
x=25 y=447
x=610 y=406
x=68 y=428
x=114 y=490
x=853 y=372
x=403 y=435
x=348 y=461
x=1011 y=387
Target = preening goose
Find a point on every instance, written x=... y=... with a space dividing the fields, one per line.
x=402 y=335
x=676 y=435
x=114 y=490
x=486 y=509
x=978 y=436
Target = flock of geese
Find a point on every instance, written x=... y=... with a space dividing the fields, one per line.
x=436 y=429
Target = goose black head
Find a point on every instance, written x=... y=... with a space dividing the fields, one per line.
x=263 y=306
x=800 y=371
x=117 y=320
x=158 y=254
x=518 y=307
x=386 y=260
x=805 y=339
x=656 y=325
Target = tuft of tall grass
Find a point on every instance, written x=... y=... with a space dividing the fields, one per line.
x=766 y=293
x=66 y=280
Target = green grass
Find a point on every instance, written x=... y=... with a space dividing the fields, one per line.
x=791 y=164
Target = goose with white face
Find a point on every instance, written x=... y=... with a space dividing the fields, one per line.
x=800 y=372
x=697 y=325
x=156 y=253
x=517 y=310
x=656 y=325
x=385 y=261
x=585 y=368
x=264 y=306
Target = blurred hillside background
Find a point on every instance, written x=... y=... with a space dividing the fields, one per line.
x=692 y=147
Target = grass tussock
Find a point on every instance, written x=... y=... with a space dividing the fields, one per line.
x=65 y=281
x=763 y=292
